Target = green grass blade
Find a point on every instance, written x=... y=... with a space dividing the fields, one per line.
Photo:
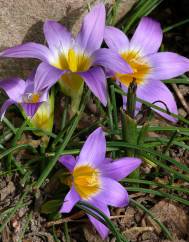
x=176 y=25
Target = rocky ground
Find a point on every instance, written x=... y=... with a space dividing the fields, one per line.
x=31 y=225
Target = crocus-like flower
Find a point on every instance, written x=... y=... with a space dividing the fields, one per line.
x=95 y=178
x=81 y=59
x=30 y=94
x=44 y=117
x=149 y=67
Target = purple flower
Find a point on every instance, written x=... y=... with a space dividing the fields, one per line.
x=80 y=58
x=95 y=178
x=149 y=67
x=30 y=94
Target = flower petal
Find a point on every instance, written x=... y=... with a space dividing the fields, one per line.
x=110 y=60
x=4 y=107
x=107 y=160
x=155 y=91
x=116 y=39
x=46 y=76
x=166 y=65
x=112 y=193
x=44 y=117
x=30 y=108
x=70 y=200
x=101 y=228
x=94 y=149
x=92 y=31
x=14 y=88
x=28 y=50
x=68 y=161
x=31 y=77
x=121 y=168
x=57 y=36
x=147 y=37
x=96 y=81
x=30 y=82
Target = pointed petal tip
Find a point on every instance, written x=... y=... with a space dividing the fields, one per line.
x=104 y=233
x=3 y=53
x=105 y=102
x=186 y=60
x=162 y=69
x=145 y=18
x=68 y=161
x=116 y=39
x=63 y=210
x=169 y=117
x=98 y=132
x=28 y=50
x=49 y=21
x=101 y=228
x=137 y=161
x=99 y=7
x=70 y=200
x=125 y=202
x=161 y=96
x=172 y=119
x=56 y=35
x=147 y=37
x=4 y=108
x=94 y=149
x=90 y=37
x=2 y=114
x=95 y=79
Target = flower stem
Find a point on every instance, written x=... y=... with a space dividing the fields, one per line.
x=130 y=125
x=65 y=112
x=66 y=232
x=14 y=141
x=131 y=99
x=59 y=151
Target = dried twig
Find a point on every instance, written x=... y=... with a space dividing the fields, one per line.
x=67 y=219
x=180 y=96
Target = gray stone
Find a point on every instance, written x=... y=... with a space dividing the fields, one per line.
x=22 y=21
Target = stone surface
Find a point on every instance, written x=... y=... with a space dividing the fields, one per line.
x=172 y=216
x=22 y=21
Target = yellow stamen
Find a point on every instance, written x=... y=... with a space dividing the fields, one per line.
x=73 y=61
x=31 y=98
x=140 y=67
x=86 y=181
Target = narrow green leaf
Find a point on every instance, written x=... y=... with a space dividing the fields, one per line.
x=51 y=206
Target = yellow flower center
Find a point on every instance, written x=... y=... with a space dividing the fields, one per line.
x=31 y=97
x=42 y=117
x=86 y=181
x=140 y=67
x=73 y=61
